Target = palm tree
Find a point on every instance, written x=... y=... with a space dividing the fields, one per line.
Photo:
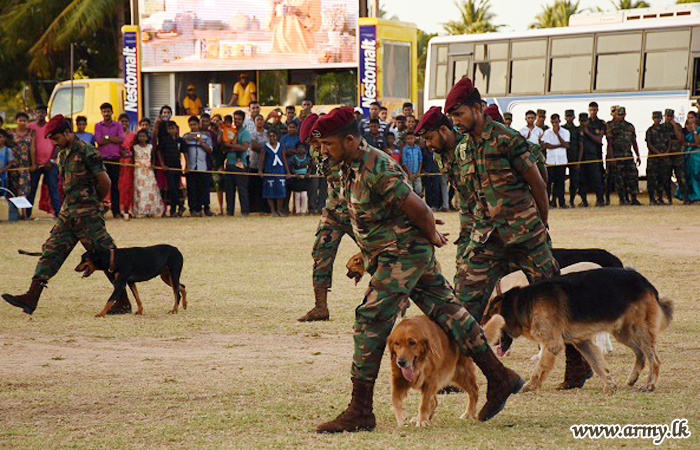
x=629 y=4
x=687 y=1
x=423 y=39
x=475 y=17
x=556 y=15
x=383 y=13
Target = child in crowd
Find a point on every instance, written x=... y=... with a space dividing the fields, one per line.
x=147 y=199
x=85 y=136
x=412 y=161
x=300 y=165
x=171 y=147
x=7 y=160
x=392 y=149
x=274 y=162
x=228 y=134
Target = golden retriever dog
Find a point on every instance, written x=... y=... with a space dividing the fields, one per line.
x=573 y=308
x=425 y=359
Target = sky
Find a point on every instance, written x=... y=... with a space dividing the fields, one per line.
x=514 y=14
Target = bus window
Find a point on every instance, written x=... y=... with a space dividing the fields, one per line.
x=572 y=46
x=617 y=43
x=527 y=76
x=570 y=74
x=665 y=70
x=618 y=72
x=61 y=103
x=498 y=50
x=442 y=54
x=460 y=69
x=439 y=89
x=529 y=49
x=665 y=40
x=396 y=69
x=490 y=77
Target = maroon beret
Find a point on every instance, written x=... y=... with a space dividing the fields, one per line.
x=493 y=113
x=306 y=126
x=462 y=93
x=57 y=124
x=333 y=122
x=431 y=120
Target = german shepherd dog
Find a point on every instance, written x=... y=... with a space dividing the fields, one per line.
x=424 y=358
x=129 y=266
x=573 y=308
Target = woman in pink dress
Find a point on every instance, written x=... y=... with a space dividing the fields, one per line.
x=147 y=199
x=126 y=172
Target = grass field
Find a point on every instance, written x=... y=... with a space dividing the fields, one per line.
x=236 y=370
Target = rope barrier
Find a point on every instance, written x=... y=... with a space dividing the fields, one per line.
x=248 y=174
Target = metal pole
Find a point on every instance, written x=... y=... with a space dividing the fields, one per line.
x=72 y=75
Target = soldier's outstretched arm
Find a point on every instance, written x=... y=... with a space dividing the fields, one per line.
x=539 y=191
x=422 y=216
x=103 y=184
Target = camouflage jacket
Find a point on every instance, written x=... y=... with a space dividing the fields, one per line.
x=375 y=188
x=78 y=166
x=572 y=151
x=675 y=146
x=621 y=135
x=657 y=136
x=492 y=167
x=448 y=164
x=332 y=173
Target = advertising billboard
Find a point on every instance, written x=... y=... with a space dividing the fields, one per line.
x=195 y=35
x=132 y=80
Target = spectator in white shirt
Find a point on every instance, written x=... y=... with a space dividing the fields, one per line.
x=531 y=132
x=556 y=141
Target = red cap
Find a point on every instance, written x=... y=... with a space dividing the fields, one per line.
x=57 y=124
x=306 y=127
x=333 y=122
x=431 y=120
x=461 y=93
x=493 y=113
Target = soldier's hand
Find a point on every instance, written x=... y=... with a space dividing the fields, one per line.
x=439 y=239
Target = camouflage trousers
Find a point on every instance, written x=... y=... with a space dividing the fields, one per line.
x=677 y=168
x=609 y=178
x=412 y=272
x=658 y=176
x=331 y=229
x=481 y=265
x=626 y=178
x=68 y=231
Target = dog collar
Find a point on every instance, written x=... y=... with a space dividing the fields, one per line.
x=111 y=260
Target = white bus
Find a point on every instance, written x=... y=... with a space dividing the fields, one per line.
x=644 y=59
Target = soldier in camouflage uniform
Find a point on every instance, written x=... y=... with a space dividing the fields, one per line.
x=675 y=164
x=610 y=166
x=658 y=141
x=622 y=139
x=573 y=155
x=81 y=219
x=334 y=224
x=396 y=232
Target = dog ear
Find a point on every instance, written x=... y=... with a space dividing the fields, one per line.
x=494 y=328
x=390 y=344
x=430 y=348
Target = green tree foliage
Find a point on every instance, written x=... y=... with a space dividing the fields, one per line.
x=35 y=38
x=629 y=4
x=556 y=15
x=423 y=39
x=475 y=17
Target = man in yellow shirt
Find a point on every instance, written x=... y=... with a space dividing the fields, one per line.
x=192 y=103
x=244 y=92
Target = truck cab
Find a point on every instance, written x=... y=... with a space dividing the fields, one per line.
x=87 y=95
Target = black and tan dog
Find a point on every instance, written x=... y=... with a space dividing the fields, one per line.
x=129 y=266
x=573 y=308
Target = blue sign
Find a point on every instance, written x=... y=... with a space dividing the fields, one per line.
x=368 y=67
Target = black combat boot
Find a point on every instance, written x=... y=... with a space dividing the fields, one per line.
x=634 y=201
x=577 y=370
x=320 y=310
x=358 y=416
x=29 y=300
x=502 y=383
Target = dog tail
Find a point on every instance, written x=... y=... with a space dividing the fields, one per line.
x=667 y=308
x=24 y=252
x=493 y=328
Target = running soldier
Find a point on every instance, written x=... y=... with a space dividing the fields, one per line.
x=676 y=161
x=334 y=224
x=81 y=219
x=396 y=232
x=622 y=139
x=658 y=141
